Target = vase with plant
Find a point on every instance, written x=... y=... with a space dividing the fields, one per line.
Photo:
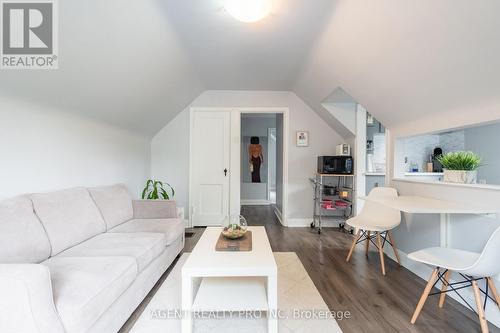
x=157 y=190
x=460 y=167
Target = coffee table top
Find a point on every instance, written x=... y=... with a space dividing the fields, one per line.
x=206 y=261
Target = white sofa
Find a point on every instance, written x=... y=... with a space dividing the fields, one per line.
x=81 y=260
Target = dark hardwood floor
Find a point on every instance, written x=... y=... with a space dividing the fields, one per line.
x=376 y=303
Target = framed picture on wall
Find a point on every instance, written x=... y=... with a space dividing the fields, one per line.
x=302 y=138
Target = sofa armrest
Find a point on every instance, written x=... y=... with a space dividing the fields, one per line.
x=154 y=209
x=26 y=300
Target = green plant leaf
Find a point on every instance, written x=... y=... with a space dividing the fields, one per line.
x=146 y=188
x=164 y=194
x=172 y=189
x=155 y=189
x=460 y=160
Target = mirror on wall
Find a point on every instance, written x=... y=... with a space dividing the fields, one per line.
x=417 y=157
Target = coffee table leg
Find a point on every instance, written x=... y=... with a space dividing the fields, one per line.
x=272 y=299
x=187 y=303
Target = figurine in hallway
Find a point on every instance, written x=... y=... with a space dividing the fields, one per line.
x=256 y=158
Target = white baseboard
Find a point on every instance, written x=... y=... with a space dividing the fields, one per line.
x=424 y=272
x=277 y=212
x=255 y=202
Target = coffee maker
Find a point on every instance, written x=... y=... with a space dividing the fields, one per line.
x=436 y=165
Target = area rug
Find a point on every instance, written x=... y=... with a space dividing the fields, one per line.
x=301 y=307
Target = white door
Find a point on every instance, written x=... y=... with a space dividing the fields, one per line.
x=210 y=160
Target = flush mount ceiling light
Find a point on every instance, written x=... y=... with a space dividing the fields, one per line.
x=248 y=10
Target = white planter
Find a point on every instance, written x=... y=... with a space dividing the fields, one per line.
x=460 y=176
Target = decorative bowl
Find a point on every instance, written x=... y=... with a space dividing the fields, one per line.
x=235 y=227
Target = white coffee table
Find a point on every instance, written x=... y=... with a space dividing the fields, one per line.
x=230 y=281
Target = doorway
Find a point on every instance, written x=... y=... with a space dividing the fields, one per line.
x=261 y=161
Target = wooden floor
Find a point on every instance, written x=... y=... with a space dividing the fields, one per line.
x=376 y=303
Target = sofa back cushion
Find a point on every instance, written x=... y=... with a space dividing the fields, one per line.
x=114 y=202
x=69 y=217
x=22 y=237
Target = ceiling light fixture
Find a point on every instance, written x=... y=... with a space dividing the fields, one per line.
x=248 y=10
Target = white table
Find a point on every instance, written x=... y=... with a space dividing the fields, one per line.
x=230 y=281
x=423 y=205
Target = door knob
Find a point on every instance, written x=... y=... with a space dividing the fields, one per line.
x=225 y=172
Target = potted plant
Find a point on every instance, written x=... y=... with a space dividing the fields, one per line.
x=157 y=190
x=460 y=167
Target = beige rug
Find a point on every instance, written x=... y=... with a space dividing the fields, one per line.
x=301 y=307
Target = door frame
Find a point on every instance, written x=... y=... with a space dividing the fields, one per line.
x=269 y=169
x=285 y=111
x=235 y=155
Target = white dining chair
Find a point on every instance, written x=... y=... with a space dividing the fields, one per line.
x=375 y=222
x=472 y=267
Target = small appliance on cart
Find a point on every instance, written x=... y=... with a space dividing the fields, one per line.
x=334 y=191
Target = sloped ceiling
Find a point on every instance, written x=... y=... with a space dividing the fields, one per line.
x=120 y=63
x=408 y=61
x=231 y=55
x=136 y=64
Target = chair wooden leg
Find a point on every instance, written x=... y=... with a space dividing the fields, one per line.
x=444 y=287
x=358 y=235
x=381 y=252
x=393 y=244
x=368 y=233
x=425 y=294
x=494 y=291
x=480 y=310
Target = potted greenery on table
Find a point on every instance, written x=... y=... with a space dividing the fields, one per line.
x=157 y=190
x=460 y=167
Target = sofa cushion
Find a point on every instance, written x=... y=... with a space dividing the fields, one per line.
x=171 y=228
x=22 y=237
x=69 y=217
x=84 y=288
x=114 y=202
x=144 y=247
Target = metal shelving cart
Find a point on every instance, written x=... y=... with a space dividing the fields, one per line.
x=333 y=198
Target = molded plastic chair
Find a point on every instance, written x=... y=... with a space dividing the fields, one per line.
x=379 y=220
x=472 y=266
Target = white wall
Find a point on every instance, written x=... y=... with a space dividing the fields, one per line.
x=170 y=157
x=44 y=150
x=345 y=113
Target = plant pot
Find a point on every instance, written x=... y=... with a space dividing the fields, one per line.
x=460 y=176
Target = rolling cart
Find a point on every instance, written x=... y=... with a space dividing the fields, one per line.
x=333 y=199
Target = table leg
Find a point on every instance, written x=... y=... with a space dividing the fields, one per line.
x=187 y=303
x=444 y=230
x=272 y=299
x=320 y=201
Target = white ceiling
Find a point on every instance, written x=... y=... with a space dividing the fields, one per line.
x=232 y=55
x=137 y=64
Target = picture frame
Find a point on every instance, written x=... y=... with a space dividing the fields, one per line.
x=302 y=139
